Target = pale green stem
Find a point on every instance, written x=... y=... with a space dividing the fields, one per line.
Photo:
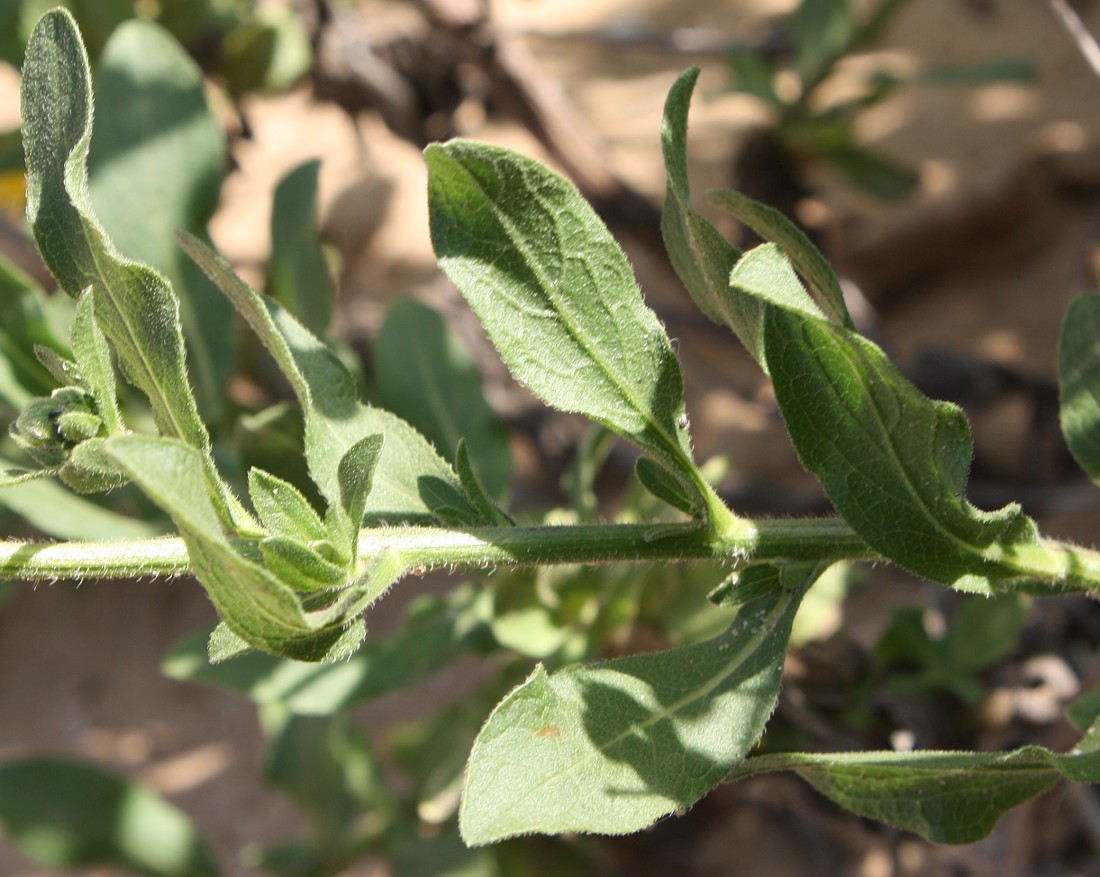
x=423 y=548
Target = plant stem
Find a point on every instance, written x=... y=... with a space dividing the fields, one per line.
x=423 y=548
x=472 y=548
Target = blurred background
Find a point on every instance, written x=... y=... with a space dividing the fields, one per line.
x=945 y=155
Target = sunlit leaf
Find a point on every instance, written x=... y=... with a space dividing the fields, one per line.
x=613 y=747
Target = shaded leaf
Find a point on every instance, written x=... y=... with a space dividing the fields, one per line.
x=807 y=259
x=23 y=328
x=297 y=273
x=700 y=254
x=335 y=419
x=93 y=361
x=1079 y=381
x=426 y=378
x=491 y=513
x=613 y=747
x=893 y=462
x=946 y=797
x=656 y=478
x=65 y=814
x=435 y=632
x=135 y=307
x=144 y=185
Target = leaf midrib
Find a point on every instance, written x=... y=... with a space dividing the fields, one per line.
x=669 y=443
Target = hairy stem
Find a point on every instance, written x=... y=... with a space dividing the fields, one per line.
x=472 y=548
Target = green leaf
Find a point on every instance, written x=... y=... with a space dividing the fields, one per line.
x=754 y=73
x=700 y=254
x=656 y=478
x=297 y=273
x=327 y=768
x=807 y=259
x=282 y=509
x=435 y=632
x=93 y=361
x=335 y=419
x=134 y=305
x=1079 y=380
x=269 y=51
x=822 y=31
x=56 y=511
x=946 y=797
x=355 y=475
x=426 y=378
x=873 y=173
x=23 y=328
x=612 y=747
x=300 y=566
x=144 y=185
x=492 y=514
x=65 y=814
x=893 y=462
x=254 y=603
x=558 y=299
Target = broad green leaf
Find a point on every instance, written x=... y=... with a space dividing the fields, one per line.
x=134 y=305
x=425 y=377
x=893 y=462
x=435 y=632
x=66 y=814
x=612 y=747
x=557 y=297
x=335 y=419
x=23 y=328
x=765 y=273
x=807 y=259
x=1079 y=379
x=144 y=184
x=700 y=254
x=256 y=605
x=297 y=273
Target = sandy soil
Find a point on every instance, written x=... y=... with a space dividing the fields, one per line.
x=981 y=262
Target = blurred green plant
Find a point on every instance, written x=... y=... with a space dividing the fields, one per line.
x=601 y=736
x=808 y=125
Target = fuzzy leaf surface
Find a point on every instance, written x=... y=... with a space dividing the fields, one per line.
x=807 y=259
x=556 y=294
x=335 y=419
x=700 y=254
x=892 y=461
x=612 y=747
x=1079 y=380
x=947 y=797
x=256 y=605
x=134 y=305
